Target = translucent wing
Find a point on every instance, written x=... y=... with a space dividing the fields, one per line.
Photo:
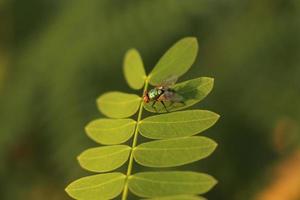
x=173 y=96
x=169 y=82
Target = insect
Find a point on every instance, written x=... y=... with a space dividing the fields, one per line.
x=163 y=93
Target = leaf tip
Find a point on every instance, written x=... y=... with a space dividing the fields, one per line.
x=78 y=158
x=132 y=50
x=217 y=116
x=87 y=132
x=98 y=101
x=193 y=41
x=215 y=144
x=214 y=181
x=128 y=53
x=67 y=189
x=191 y=38
x=209 y=79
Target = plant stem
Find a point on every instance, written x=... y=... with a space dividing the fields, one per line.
x=134 y=143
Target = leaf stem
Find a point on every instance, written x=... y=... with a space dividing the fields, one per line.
x=134 y=143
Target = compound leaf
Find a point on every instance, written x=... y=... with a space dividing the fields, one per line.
x=133 y=68
x=101 y=186
x=176 y=146
x=104 y=159
x=176 y=61
x=179 y=197
x=110 y=131
x=173 y=152
x=191 y=91
x=157 y=184
x=177 y=124
x=118 y=104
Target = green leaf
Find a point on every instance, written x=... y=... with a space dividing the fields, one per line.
x=191 y=91
x=173 y=152
x=177 y=124
x=157 y=184
x=102 y=187
x=104 y=159
x=176 y=61
x=179 y=197
x=133 y=68
x=110 y=131
x=118 y=104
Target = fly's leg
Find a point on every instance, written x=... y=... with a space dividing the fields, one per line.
x=153 y=106
x=164 y=106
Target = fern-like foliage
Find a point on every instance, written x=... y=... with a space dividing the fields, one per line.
x=173 y=135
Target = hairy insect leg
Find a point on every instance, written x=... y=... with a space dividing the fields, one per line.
x=153 y=105
x=164 y=106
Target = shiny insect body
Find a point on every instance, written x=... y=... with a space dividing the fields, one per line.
x=163 y=93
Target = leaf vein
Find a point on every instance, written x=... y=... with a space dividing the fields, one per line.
x=175 y=122
x=97 y=185
x=102 y=156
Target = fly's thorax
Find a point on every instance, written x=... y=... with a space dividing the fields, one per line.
x=154 y=93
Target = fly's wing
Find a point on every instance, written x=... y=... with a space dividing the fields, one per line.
x=168 y=82
x=173 y=96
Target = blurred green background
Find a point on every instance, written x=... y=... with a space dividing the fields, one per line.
x=57 y=57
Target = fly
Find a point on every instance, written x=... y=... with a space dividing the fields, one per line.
x=163 y=93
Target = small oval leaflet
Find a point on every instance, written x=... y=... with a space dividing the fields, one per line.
x=101 y=186
x=157 y=184
x=118 y=104
x=176 y=61
x=173 y=152
x=179 y=197
x=192 y=92
x=110 y=131
x=104 y=159
x=133 y=68
x=177 y=124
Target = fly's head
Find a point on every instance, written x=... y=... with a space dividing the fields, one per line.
x=146 y=98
